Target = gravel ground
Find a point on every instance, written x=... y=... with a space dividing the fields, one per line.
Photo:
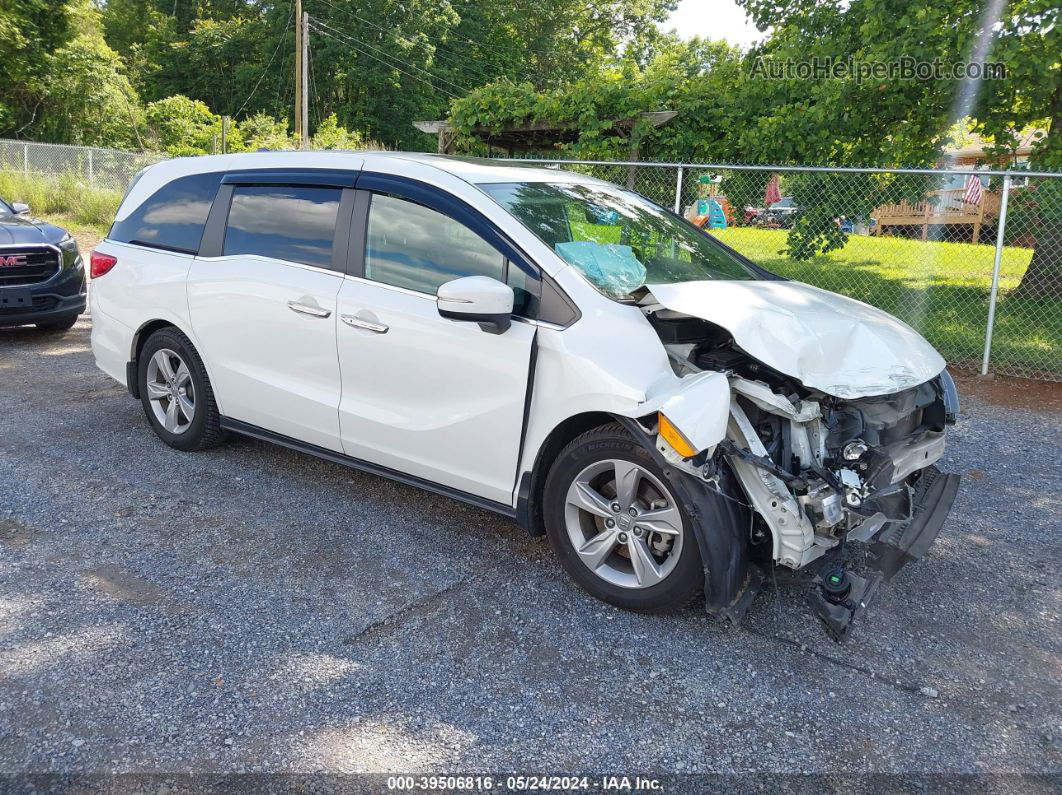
x=254 y=609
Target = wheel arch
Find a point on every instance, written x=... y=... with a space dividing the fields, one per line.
x=730 y=578
x=531 y=486
x=141 y=336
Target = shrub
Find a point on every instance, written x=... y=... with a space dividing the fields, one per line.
x=65 y=195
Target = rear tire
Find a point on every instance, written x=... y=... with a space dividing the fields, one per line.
x=650 y=568
x=176 y=393
x=63 y=323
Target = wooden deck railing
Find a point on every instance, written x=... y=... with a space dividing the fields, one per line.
x=942 y=207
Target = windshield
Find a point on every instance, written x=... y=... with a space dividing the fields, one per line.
x=617 y=239
x=5 y=209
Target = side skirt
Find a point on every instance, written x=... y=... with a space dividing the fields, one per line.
x=246 y=429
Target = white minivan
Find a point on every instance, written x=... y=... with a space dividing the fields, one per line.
x=539 y=343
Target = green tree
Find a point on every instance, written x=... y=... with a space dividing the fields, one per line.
x=331 y=135
x=262 y=131
x=378 y=65
x=906 y=122
x=1029 y=42
x=87 y=99
x=692 y=78
x=31 y=31
x=182 y=126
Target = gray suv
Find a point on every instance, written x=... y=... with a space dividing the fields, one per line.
x=42 y=277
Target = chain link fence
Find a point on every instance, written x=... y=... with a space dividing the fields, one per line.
x=971 y=259
x=111 y=169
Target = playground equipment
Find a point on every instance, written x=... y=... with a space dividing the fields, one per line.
x=711 y=210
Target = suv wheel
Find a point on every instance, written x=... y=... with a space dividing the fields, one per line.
x=617 y=526
x=176 y=393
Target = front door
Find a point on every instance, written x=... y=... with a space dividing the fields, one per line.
x=439 y=399
x=264 y=311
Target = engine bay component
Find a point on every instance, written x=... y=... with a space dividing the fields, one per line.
x=840 y=596
x=853 y=451
x=823 y=506
x=820 y=464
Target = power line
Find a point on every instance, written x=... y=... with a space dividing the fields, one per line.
x=261 y=77
x=394 y=57
x=325 y=33
x=465 y=65
x=358 y=45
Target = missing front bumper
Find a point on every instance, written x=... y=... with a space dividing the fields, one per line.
x=839 y=596
x=931 y=502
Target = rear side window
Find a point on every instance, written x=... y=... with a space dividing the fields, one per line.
x=173 y=217
x=296 y=224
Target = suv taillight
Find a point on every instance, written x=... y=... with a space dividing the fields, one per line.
x=101 y=264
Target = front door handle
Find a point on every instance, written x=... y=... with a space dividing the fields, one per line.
x=368 y=325
x=306 y=309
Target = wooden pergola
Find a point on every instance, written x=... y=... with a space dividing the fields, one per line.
x=540 y=135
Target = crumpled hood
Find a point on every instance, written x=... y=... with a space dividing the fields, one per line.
x=826 y=341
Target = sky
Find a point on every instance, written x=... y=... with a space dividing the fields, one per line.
x=714 y=19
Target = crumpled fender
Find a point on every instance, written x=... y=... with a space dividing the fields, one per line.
x=720 y=525
x=698 y=405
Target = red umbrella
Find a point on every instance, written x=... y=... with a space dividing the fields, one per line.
x=773 y=193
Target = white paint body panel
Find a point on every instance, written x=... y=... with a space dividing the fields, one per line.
x=441 y=399
x=828 y=342
x=480 y=295
x=273 y=367
x=145 y=285
x=699 y=407
x=436 y=398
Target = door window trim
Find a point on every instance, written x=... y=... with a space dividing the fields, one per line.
x=441 y=202
x=213 y=242
x=556 y=308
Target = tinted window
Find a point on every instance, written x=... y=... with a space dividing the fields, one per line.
x=174 y=216
x=525 y=302
x=420 y=249
x=290 y=223
x=617 y=239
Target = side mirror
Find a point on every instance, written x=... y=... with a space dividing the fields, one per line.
x=20 y=208
x=479 y=299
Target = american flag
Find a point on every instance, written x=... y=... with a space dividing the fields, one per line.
x=974 y=190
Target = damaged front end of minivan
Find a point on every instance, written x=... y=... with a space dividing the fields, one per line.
x=820 y=468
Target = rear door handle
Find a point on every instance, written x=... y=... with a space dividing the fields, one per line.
x=368 y=325
x=306 y=309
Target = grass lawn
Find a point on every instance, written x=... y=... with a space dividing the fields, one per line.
x=941 y=289
x=83 y=211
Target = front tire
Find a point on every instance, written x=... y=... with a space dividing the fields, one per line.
x=176 y=394
x=618 y=526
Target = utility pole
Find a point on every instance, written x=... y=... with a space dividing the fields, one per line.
x=300 y=68
x=304 y=108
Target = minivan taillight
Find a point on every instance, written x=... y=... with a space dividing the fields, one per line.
x=101 y=264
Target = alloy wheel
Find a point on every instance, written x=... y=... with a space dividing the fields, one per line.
x=623 y=523
x=171 y=391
